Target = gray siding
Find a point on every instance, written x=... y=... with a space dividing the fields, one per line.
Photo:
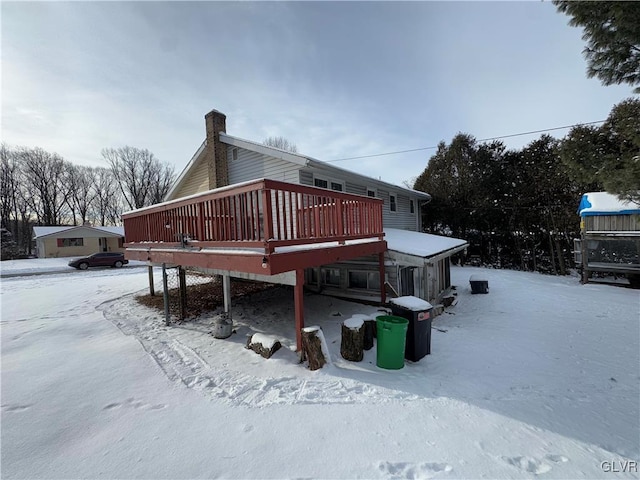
x=251 y=166
x=306 y=178
x=402 y=218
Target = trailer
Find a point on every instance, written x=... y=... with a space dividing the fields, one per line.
x=610 y=237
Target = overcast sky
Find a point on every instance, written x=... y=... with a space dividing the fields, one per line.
x=337 y=79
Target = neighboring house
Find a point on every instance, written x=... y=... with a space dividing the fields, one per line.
x=610 y=237
x=224 y=160
x=77 y=241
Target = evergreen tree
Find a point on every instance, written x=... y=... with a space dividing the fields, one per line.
x=612 y=32
x=609 y=155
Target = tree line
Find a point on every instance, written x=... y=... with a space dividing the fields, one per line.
x=42 y=188
x=518 y=208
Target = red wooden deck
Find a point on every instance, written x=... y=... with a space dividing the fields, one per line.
x=236 y=228
x=263 y=227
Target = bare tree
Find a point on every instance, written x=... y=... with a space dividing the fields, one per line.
x=8 y=187
x=43 y=175
x=107 y=205
x=82 y=194
x=281 y=143
x=142 y=179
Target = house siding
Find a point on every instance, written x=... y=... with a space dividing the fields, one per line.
x=48 y=247
x=252 y=165
x=198 y=180
x=402 y=218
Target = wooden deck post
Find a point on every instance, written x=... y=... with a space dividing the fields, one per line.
x=299 y=307
x=383 y=292
x=152 y=290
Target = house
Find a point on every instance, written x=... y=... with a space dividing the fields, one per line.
x=77 y=241
x=243 y=209
x=610 y=237
x=223 y=160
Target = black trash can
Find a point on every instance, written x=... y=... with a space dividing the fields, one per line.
x=419 y=313
x=479 y=284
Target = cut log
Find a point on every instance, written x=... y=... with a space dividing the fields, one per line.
x=352 y=344
x=263 y=344
x=314 y=348
x=369 y=333
x=369 y=329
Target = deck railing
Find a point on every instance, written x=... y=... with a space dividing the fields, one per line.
x=262 y=213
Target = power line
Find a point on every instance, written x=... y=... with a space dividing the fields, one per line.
x=481 y=140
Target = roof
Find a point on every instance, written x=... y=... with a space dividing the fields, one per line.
x=604 y=203
x=295 y=158
x=39 y=232
x=307 y=161
x=419 y=244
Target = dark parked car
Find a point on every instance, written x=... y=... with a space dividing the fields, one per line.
x=104 y=259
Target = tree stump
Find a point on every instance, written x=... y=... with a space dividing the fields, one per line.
x=314 y=347
x=263 y=345
x=369 y=333
x=352 y=344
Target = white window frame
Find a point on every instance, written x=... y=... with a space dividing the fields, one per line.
x=374 y=190
x=412 y=206
x=234 y=153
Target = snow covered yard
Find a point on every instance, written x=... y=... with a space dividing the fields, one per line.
x=539 y=378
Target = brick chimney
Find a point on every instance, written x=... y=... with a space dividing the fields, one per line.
x=216 y=151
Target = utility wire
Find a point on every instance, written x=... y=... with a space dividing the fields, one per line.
x=481 y=140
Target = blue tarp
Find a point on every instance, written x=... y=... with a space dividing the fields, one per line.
x=603 y=203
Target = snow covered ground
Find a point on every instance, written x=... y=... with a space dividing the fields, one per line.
x=539 y=378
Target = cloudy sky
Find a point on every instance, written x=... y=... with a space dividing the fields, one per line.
x=337 y=79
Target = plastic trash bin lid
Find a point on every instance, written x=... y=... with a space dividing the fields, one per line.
x=414 y=304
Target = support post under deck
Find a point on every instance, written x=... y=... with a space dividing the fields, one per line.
x=226 y=291
x=152 y=290
x=383 y=291
x=165 y=294
x=298 y=294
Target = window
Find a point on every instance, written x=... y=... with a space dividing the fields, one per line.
x=70 y=242
x=364 y=280
x=313 y=276
x=371 y=193
x=331 y=276
x=319 y=182
x=392 y=203
x=412 y=208
x=234 y=154
x=324 y=183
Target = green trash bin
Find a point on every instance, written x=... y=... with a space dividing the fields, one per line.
x=392 y=336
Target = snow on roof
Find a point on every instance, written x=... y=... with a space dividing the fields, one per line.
x=113 y=230
x=420 y=244
x=46 y=231
x=603 y=203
